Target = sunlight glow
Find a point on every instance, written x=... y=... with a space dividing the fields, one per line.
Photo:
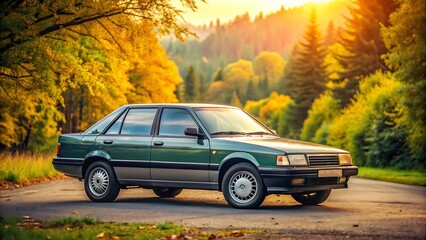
x=226 y=10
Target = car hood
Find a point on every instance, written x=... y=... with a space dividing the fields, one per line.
x=287 y=145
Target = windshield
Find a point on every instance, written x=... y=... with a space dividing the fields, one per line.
x=230 y=121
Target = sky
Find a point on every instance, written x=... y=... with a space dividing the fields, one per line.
x=226 y=10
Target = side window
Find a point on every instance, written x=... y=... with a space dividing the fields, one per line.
x=102 y=124
x=115 y=128
x=174 y=121
x=139 y=121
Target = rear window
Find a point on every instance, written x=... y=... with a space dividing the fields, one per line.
x=100 y=126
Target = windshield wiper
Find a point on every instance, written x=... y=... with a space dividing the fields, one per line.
x=260 y=133
x=228 y=133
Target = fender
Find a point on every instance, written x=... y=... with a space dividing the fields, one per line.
x=242 y=155
x=97 y=153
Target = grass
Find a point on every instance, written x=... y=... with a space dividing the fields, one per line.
x=88 y=228
x=26 y=168
x=413 y=177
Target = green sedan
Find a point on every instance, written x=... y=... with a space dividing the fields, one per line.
x=169 y=147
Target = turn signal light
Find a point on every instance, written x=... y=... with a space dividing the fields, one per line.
x=282 y=161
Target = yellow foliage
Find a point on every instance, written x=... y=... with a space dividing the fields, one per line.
x=269 y=110
x=238 y=74
x=269 y=65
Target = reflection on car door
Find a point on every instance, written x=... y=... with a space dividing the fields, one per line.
x=128 y=143
x=175 y=157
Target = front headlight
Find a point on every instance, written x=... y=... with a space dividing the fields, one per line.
x=345 y=159
x=298 y=159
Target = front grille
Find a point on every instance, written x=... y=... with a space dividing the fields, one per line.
x=316 y=160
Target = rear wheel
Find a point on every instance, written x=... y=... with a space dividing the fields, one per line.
x=164 y=192
x=311 y=198
x=100 y=183
x=243 y=186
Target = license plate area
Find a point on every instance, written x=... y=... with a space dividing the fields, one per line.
x=330 y=173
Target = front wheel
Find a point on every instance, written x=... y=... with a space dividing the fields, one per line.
x=243 y=186
x=311 y=198
x=164 y=192
x=100 y=183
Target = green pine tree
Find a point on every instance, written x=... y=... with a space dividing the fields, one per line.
x=191 y=85
x=362 y=40
x=309 y=74
x=251 y=93
x=202 y=88
x=235 y=100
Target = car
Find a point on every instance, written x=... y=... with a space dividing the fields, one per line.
x=170 y=147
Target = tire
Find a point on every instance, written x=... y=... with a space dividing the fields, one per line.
x=311 y=198
x=243 y=186
x=164 y=192
x=100 y=183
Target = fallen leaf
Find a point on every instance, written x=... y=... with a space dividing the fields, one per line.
x=141 y=227
x=74 y=213
x=211 y=237
x=237 y=233
x=100 y=235
x=69 y=229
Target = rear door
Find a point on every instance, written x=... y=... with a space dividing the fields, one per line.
x=128 y=143
x=175 y=157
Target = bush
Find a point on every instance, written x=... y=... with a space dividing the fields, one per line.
x=370 y=128
x=323 y=111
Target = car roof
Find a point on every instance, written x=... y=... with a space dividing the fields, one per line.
x=190 y=105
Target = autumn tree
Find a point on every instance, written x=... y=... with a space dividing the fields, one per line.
x=48 y=48
x=269 y=66
x=363 y=43
x=236 y=77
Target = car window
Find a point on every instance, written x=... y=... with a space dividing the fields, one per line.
x=139 y=121
x=103 y=123
x=115 y=128
x=229 y=120
x=174 y=121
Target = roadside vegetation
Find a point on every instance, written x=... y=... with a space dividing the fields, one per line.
x=413 y=177
x=89 y=228
x=23 y=169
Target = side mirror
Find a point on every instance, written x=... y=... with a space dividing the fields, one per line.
x=192 y=131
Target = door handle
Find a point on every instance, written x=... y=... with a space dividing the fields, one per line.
x=158 y=143
x=108 y=141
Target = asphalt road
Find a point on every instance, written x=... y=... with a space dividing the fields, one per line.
x=367 y=210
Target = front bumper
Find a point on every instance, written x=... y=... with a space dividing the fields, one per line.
x=288 y=180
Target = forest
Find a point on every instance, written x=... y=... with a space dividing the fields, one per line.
x=349 y=74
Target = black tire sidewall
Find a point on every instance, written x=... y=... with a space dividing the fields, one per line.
x=257 y=200
x=113 y=187
x=169 y=193
x=318 y=198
